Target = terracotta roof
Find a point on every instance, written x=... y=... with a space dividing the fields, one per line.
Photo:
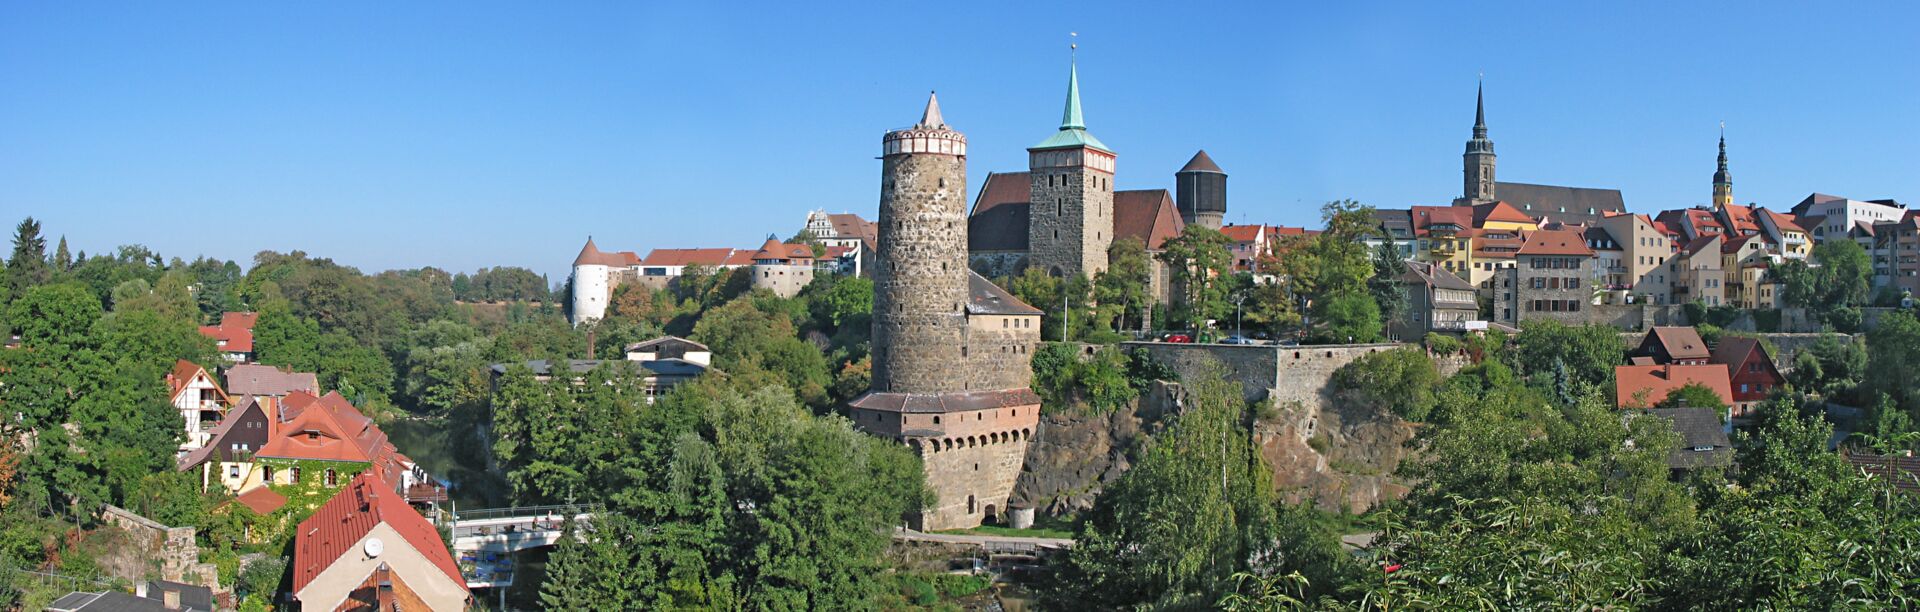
x=698 y=257
x=1680 y=342
x=1201 y=163
x=257 y=379
x=366 y=502
x=1242 y=233
x=1733 y=350
x=262 y=500
x=183 y=374
x=325 y=429
x=1656 y=382
x=1425 y=218
x=591 y=255
x=1741 y=218
x=1555 y=242
x=1500 y=211
x=984 y=297
x=999 y=218
x=235 y=331
x=851 y=225
x=1667 y=228
x=774 y=249
x=1786 y=223
x=1147 y=214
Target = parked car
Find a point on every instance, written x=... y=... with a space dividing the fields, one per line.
x=1178 y=339
x=1288 y=343
x=1237 y=340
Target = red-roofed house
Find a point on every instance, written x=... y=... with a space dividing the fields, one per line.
x=1665 y=345
x=365 y=549
x=234 y=335
x=1745 y=260
x=1794 y=241
x=1751 y=372
x=853 y=236
x=330 y=432
x=1444 y=237
x=1552 y=279
x=783 y=268
x=1644 y=386
x=199 y=400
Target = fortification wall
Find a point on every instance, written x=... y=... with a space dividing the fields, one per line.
x=972 y=482
x=1000 y=351
x=173 y=547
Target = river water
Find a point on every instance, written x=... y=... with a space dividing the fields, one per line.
x=452 y=450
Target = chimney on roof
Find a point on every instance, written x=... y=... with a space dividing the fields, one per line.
x=170 y=599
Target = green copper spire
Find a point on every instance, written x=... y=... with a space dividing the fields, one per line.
x=1071 y=119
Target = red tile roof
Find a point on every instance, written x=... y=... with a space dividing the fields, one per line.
x=1655 y=382
x=365 y=503
x=235 y=331
x=1147 y=214
x=774 y=249
x=591 y=255
x=1426 y=217
x=1786 y=223
x=326 y=429
x=1242 y=233
x=262 y=500
x=1742 y=219
x=183 y=374
x=1201 y=162
x=1556 y=242
x=1499 y=211
x=698 y=257
x=851 y=225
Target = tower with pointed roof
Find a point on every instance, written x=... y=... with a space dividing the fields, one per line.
x=1201 y=188
x=592 y=284
x=951 y=351
x=1070 y=175
x=920 y=271
x=1477 y=163
x=1722 y=179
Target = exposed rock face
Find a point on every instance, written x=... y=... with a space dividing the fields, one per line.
x=1074 y=454
x=1334 y=450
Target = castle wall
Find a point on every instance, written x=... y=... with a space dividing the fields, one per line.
x=783 y=280
x=1000 y=351
x=995 y=265
x=1284 y=374
x=972 y=470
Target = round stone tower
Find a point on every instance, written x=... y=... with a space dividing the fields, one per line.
x=920 y=265
x=591 y=284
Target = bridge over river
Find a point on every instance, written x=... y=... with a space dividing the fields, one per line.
x=484 y=540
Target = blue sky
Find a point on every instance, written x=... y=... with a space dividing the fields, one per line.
x=471 y=134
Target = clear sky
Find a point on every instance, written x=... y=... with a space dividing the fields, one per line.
x=468 y=134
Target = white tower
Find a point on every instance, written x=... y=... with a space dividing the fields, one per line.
x=591 y=277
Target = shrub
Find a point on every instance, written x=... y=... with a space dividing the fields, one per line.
x=1401 y=380
x=1444 y=344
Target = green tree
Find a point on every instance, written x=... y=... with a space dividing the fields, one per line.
x=1589 y=352
x=1349 y=318
x=1894 y=346
x=1123 y=289
x=1402 y=381
x=1385 y=286
x=1694 y=395
x=1201 y=268
x=1197 y=508
x=27 y=267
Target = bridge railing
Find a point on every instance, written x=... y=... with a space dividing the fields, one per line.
x=559 y=510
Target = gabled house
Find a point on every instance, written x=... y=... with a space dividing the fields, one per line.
x=1437 y=300
x=1664 y=345
x=328 y=434
x=199 y=399
x=227 y=458
x=1644 y=386
x=234 y=335
x=1552 y=279
x=1751 y=372
x=670 y=347
x=1697 y=273
x=366 y=549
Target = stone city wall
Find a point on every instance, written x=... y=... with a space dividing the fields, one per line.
x=971 y=481
x=999 y=351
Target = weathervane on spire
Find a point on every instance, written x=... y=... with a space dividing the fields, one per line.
x=1073 y=43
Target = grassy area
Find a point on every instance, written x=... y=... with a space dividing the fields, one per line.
x=1011 y=532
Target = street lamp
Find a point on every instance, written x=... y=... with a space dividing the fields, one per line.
x=1238 y=297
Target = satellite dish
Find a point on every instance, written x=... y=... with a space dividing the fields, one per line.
x=374 y=547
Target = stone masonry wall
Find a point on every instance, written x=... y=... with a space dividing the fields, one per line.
x=997 y=265
x=920 y=274
x=1000 y=351
x=1070 y=219
x=173 y=547
x=972 y=483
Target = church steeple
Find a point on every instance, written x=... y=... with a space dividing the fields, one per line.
x=1478 y=163
x=1071 y=119
x=1722 y=179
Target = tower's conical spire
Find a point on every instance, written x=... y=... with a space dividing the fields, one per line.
x=931 y=118
x=1480 y=111
x=1071 y=119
